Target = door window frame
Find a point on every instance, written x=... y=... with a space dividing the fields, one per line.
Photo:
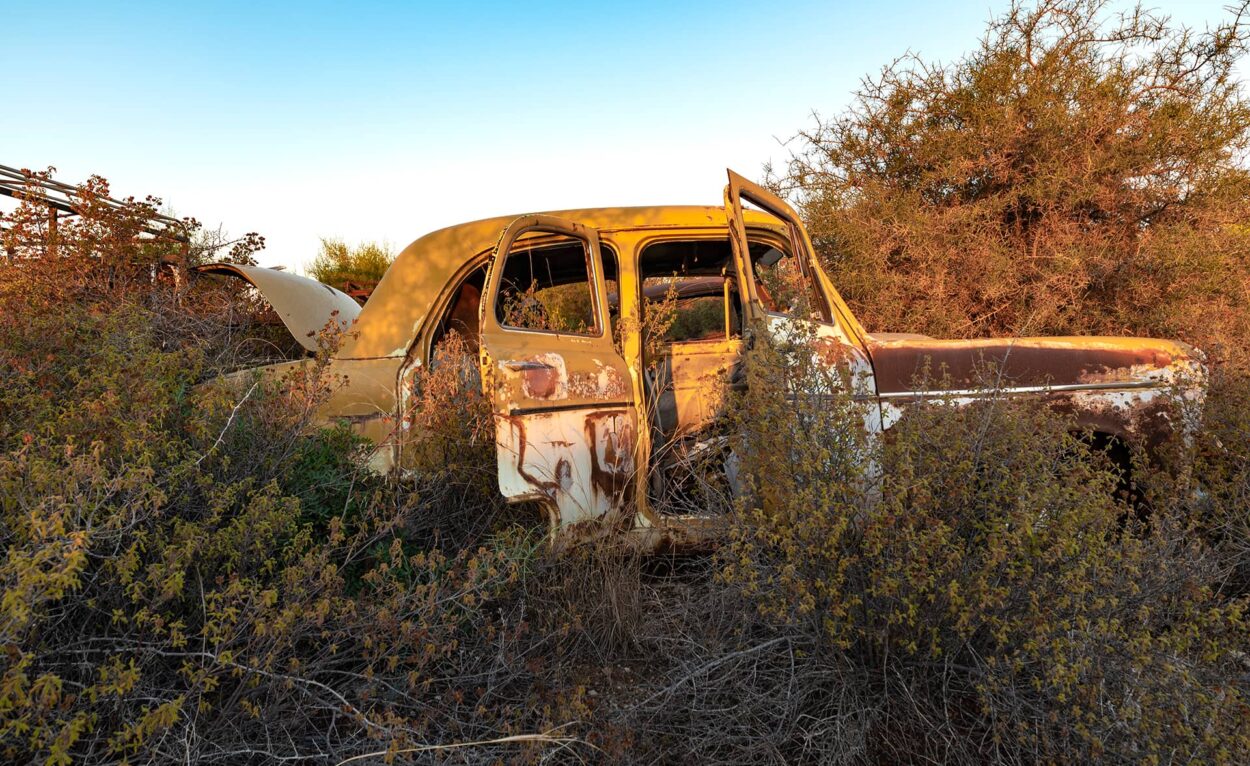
x=596 y=281
x=739 y=189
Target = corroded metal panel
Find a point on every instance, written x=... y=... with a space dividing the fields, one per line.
x=1118 y=386
x=902 y=365
x=701 y=372
x=578 y=463
x=562 y=402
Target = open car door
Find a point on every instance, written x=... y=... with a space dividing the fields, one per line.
x=826 y=305
x=791 y=293
x=561 y=395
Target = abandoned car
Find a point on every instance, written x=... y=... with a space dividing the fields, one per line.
x=587 y=406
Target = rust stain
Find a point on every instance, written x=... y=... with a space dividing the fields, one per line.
x=612 y=474
x=540 y=383
x=605 y=383
x=548 y=487
x=899 y=365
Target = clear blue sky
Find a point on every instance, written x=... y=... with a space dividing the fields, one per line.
x=387 y=120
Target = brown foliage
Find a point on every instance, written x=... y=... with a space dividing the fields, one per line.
x=1078 y=173
x=104 y=251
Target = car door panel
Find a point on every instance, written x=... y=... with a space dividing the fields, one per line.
x=565 y=419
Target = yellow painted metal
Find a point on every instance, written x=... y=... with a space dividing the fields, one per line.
x=404 y=297
x=562 y=402
x=701 y=370
x=364 y=395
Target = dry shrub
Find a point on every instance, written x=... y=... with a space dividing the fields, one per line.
x=594 y=596
x=992 y=599
x=168 y=595
x=967 y=591
x=1216 y=499
x=449 y=453
x=194 y=574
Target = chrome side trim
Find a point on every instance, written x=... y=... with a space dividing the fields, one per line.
x=979 y=392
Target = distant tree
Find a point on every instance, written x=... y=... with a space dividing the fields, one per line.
x=350 y=268
x=1079 y=171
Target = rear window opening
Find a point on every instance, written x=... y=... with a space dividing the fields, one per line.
x=549 y=288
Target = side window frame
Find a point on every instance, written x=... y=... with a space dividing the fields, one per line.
x=712 y=235
x=813 y=288
x=593 y=280
x=739 y=189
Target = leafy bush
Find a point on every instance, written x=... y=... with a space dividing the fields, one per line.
x=166 y=596
x=342 y=266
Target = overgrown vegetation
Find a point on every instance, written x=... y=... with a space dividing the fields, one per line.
x=193 y=573
x=990 y=599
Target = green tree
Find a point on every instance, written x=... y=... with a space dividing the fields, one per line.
x=1079 y=171
x=339 y=263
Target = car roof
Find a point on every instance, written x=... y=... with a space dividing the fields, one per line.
x=392 y=316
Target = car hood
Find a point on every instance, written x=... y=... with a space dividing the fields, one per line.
x=909 y=364
x=304 y=305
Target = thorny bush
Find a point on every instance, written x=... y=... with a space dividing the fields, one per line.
x=1087 y=165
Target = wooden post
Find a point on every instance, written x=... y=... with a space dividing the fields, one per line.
x=51 y=231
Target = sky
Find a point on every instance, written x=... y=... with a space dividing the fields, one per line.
x=374 y=121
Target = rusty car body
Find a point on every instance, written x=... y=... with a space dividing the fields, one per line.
x=584 y=404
